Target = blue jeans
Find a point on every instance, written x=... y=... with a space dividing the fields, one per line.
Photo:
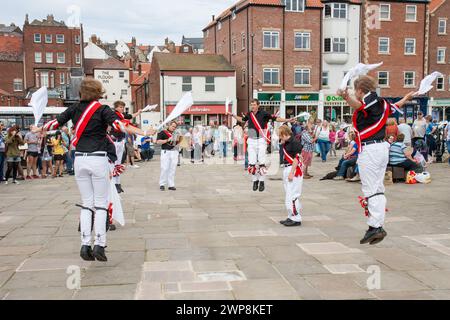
x=224 y=149
x=324 y=148
x=69 y=162
x=448 y=150
x=344 y=165
x=2 y=165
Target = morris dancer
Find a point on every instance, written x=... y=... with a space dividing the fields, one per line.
x=258 y=138
x=292 y=176
x=369 y=122
x=119 y=137
x=92 y=171
x=169 y=157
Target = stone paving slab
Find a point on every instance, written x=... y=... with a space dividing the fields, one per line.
x=214 y=238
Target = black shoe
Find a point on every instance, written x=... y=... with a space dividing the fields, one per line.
x=162 y=188
x=284 y=221
x=255 y=185
x=261 y=186
x=86 y=253
x=373 y=234
x=119 y=188
x=378 y=240
x=291 y=223
x=99 y=253
x=112 y=227
x=172 y=189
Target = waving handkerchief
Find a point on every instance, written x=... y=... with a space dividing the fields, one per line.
x=38 y=102
x=426 y=83
x=185 y=103
x=150 y=108
x=358 y=70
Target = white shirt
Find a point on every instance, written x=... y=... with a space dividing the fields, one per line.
x=419 y=128
x=223 y=133
x=448 y=131
x=406 y=131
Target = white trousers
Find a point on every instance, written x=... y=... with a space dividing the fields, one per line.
x=372 y=163
x=293 y=190
x=120 y=147
x=257 y=155
x=169 y=161
x=92 y=176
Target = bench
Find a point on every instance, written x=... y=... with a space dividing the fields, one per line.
x=398 y=173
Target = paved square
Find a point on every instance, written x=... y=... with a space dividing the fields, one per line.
x=214 y=238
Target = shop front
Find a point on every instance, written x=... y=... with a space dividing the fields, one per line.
x=439 y=109
x=201 y=114
x=337 y=109
x=411 y=108
x=295 y=102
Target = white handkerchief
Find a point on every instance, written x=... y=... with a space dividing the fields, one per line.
x=227 y=105
x=38 y=102
x=150 y=108
x=426 y=83
x=185 y=103
x=358 y=70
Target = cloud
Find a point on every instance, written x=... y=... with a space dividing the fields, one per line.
x=150 y=21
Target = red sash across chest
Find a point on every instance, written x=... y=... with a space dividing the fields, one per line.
x=84 y=120
x=298 y=170
x=168 y=134
x=264 y=132
x=368 y=132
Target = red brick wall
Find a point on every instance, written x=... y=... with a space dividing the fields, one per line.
x=155 y=85
x=440 y=41
x=69 y=48
x=397 y=62
x=10 y=70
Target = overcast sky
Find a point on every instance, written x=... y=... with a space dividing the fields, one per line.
x=150 y=21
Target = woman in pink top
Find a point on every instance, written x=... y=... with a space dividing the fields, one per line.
x=333 y=140
x=341 y=138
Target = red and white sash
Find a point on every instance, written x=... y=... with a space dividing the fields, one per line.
x=298 y=170
x=168 y=134
x=264 y=132
x=84 y=120
x=373 y=129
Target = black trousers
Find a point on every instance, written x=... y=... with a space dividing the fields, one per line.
x=14 y=167
x=410 y=165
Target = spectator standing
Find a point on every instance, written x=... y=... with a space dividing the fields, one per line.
x=307 y=142
x=46 y=155
x=32 y=140
x=13 y=141
x=58 y=154
x=429 y=135
x=323 y=139
x=406 y=130
x=223 y=138
x=332 y=136
x=66 y=142
x=341 y=138
x=419 y=128
x=447 y=138
x=238 y=142
x=2 y=152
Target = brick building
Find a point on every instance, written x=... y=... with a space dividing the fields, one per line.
x=53 y=55
x=276 y=50
x=11 y=65
x=439 y=58
x=395 y=32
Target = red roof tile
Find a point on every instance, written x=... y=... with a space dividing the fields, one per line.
x=111 y=63
x=435 y=4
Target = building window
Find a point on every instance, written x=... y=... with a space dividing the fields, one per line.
x=234 y=46
x=327 y=45
x=61 y=57
x=383 y=45
x=62 y=79
x=410 y=46
x=186 y=49
x=59 y=38
x=411 y=13
x=383 y=78
x=38 y=57
x=385 y=12
x=271 y=40
x=209 y=84
x=295 y=5
x=244 y=77
x=187 y=84
x=123 y=92
x=339 y=45
x=121 y=74
x=302 y=77
x=271 y=76
x=243 y=40
x=303 y=40
x=18 y=85
x=325 y=78
x=48 y=38
x=441 y=55
x=440 y=83
x=409 y=79
x=442 y=26
x=37 y=38
x=77 y=39
x=336 y=10
x=44 y=79
x=49 y=57
x=77 y=58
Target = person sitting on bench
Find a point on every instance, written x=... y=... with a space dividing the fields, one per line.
x=348 y=159
x=402 y=156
